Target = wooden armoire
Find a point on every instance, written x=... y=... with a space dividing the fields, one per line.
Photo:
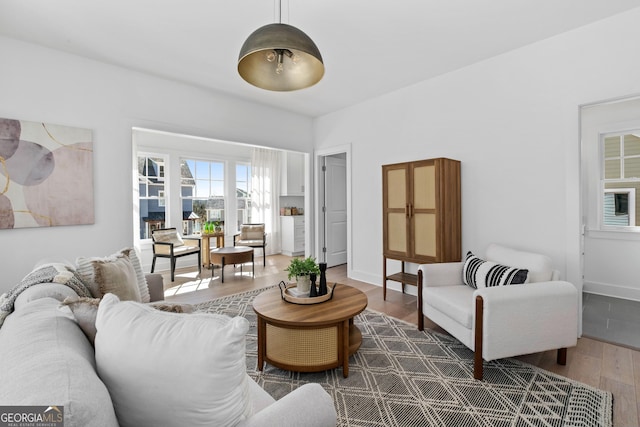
x=421 y=215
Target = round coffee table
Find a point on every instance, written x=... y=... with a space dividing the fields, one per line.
x=309 y=338
x=231 y=255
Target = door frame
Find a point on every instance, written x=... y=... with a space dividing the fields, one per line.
x=319 y=156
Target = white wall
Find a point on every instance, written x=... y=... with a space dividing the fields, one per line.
x=512 y=121
x=39 y=84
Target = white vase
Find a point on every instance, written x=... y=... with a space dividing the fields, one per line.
x=303 y=283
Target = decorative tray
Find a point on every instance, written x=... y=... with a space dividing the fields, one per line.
x=289 y=295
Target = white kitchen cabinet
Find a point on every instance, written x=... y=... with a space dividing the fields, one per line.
x=292 y=229
x=292 y=174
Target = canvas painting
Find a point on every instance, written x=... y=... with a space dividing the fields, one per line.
x=46 y=175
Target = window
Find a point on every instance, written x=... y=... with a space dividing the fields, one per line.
x=152 y=213
x=202 y=192
x=243 y=193
x=621 y=179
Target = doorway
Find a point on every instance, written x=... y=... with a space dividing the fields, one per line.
x=333 y=228
x=610 y=240
x=610 y=155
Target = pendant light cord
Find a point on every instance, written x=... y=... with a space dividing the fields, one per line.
x=279 y=11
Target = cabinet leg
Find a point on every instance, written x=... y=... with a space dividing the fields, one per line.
x=384 y=278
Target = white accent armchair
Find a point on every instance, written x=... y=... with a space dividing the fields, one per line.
x=502 y=321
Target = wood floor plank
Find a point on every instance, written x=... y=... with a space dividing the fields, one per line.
x=590 y=347
x=586 y=369
x=635 y=355
x=625 y=405
x=617 y=364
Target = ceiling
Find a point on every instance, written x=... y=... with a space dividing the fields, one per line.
x=370 y=47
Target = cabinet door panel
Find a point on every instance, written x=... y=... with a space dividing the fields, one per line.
x=424 y=234
x=424 y=187
x=397 y=237
x=396 y=189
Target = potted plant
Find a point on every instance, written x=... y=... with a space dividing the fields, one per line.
x=217 y=226
x=301 y=268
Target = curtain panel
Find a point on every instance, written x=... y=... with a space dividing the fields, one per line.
x=265 y=192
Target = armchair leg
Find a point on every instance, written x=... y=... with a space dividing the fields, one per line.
x=264 y=257
x=478 y=366
x=562 y=356
x=153 y=264
x=173 y=269
x=477 y=357
x=420 y=315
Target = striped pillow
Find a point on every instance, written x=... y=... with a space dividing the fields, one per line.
x=479 y=273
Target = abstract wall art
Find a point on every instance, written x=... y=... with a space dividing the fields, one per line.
x=46 y=175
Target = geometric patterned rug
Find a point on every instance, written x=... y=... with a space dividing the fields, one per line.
x=404 y=377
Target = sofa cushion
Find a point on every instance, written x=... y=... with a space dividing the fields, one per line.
x=192 y=364
x=45 y=359
x=249 y=242
x=479 y=273
x=539 y=266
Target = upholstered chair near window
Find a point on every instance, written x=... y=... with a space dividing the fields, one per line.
x=510 y=303
x=254 y=236
x=167 y=243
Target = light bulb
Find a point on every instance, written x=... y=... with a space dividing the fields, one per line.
x=271 y=56
x=279 y=67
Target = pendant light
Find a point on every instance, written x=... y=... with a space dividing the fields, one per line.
x=280 y=57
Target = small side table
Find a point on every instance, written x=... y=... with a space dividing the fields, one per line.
x=206 y=244
x=231 y=255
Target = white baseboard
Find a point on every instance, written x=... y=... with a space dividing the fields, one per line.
x=611 y=290
x=376 y=280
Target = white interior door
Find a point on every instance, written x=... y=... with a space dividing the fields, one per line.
x=335 y=210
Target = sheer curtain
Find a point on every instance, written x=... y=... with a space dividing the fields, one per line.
x=265 y=192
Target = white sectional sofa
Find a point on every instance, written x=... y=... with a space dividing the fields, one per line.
x=46 y=359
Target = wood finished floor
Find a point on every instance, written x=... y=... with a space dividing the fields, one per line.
x=597 y=363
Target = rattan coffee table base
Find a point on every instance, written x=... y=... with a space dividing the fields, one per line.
x=308 y=350
x=309 y=338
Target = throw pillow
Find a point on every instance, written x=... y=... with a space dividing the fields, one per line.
x=118 y=277
x=168 y=236
x=88 y=267
x=172 y=369
x=84 y=310
x=143 y=286
x=479 y=273
x=252 y=232
x=172 y=308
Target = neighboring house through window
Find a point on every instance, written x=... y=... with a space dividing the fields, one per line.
x=620 y=180
x=151 y=187
x=202 y=193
